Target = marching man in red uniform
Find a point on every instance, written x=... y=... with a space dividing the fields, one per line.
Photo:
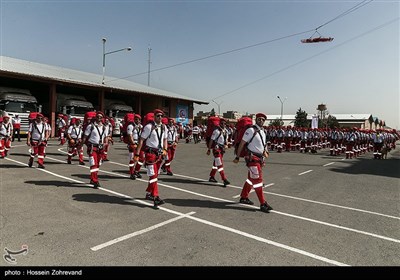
x=218 y=144
x=256 y=139
x=95 y=137
x=61 y=126
x=133 y=131
x=74 y=136
x=37 y=140
x=172 y=143
x=155 y=135
x=6 y=133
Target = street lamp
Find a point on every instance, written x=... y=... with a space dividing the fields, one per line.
x=106 y=53
x=219 y=107
x=282 y=105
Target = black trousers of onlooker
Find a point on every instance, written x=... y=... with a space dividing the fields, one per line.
x=16 y=131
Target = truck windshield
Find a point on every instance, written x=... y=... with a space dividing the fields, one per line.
x=78 y=111
x=18 y=107
x=120 y=114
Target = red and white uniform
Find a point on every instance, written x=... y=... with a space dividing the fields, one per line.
x=220 y=138
x=255 y=161
x=172 y=140
x=155 y=136
x=107 y=145
x=6 y=130
x=75 y=132
x=61 y=126
x=134 y=129
x=96 y=133
x=38 y=141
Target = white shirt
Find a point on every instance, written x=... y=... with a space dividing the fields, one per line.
x=96 y=133
x=220 y=136
x=75 y=131
x=134 y=130
x=5 y=129
x=16 y=120
x=38 y=131
x=172 y=133
x=151 y=137
x=61 y=123
x=259 y=141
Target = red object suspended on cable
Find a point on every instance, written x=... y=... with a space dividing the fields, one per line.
x=317 y=40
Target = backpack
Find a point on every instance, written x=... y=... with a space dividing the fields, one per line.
x=149 y=117
x=65 y=118
x=129 y=118
x=32 y=116
x=212 y=124
x=87 y=119
x=242 y=125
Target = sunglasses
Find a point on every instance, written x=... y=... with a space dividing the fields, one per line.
x=261 y=119
x=159 y=116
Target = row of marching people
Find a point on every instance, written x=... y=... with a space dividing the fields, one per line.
x=151 y=143
x=38 y=133
x=349 y=141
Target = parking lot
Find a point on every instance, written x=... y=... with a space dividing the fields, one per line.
x=327 y=212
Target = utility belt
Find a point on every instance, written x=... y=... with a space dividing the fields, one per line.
x=220 y=147
x=38 y=142
x=171 y=145
x=97 y=146
x=254 y=157
x=155 y=151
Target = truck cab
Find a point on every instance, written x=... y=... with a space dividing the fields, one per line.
x=75 y=106
x=15 y=101
x=117 y=109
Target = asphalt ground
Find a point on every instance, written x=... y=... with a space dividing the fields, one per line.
x=327 y=212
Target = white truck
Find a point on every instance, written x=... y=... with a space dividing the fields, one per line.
x=116 y=109
x=75 y=106
x=16 y=101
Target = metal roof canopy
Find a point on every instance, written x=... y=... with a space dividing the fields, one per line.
x=38 y=70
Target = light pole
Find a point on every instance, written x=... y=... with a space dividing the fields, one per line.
x=219 y=107
x=106 y=53
x=282 y=105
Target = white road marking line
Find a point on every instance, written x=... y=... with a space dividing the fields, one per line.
x=328 y=164
x=334 y=205
x=305 y=172
x=136 y=233
x=245 y=234
x=340 y=227
x=252 y=190
x=282 y=195
x=303 y=199
x=273 y=211
x=290 y=215
x=273 y=243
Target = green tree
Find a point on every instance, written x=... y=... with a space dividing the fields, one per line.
x=332 y=122
x=212 y=113
x=301 y=119
x=276 y=122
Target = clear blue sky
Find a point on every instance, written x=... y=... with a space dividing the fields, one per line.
x=358 y=72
